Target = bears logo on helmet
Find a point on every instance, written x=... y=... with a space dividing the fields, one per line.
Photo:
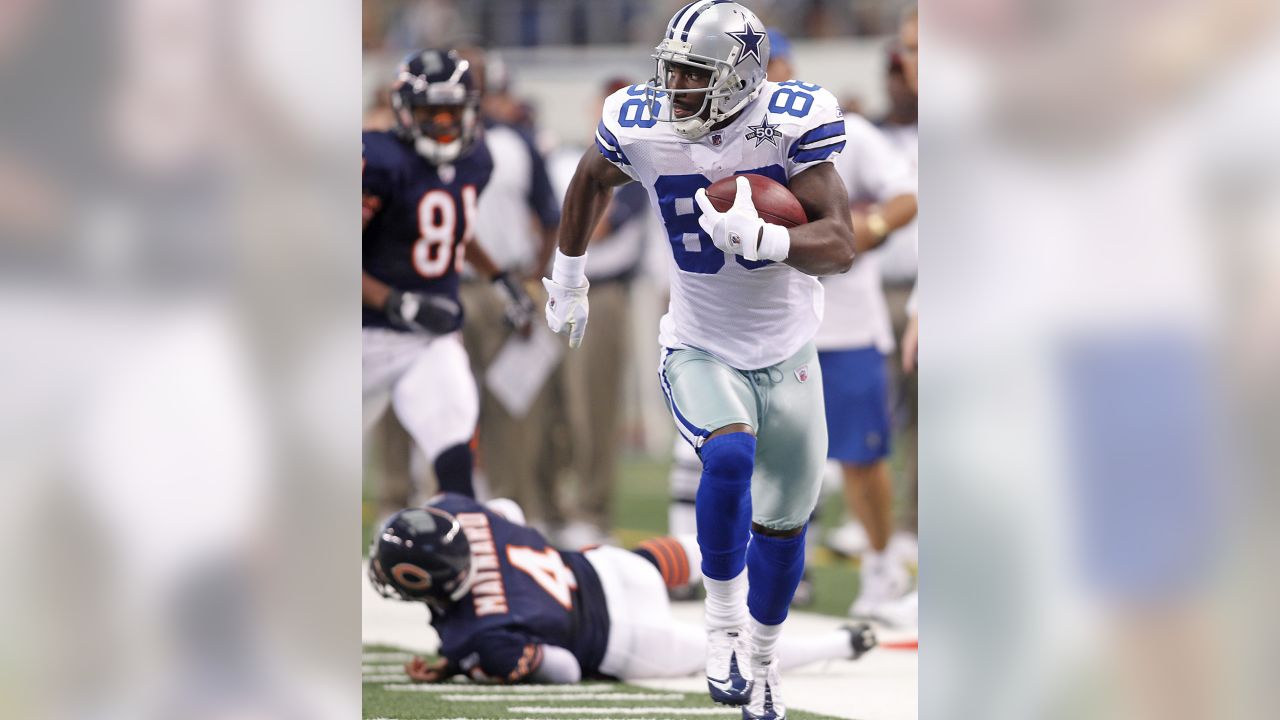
x=421 y=554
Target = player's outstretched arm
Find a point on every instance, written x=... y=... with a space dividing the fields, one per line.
x=586 y=199
x=824 y=245
x=584 y=204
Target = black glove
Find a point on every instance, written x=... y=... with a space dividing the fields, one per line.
x=519 y=308
x=421 y=312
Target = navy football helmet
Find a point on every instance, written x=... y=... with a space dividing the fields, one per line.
x=421 y=554
x=436 y=103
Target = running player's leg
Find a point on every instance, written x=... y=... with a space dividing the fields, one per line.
x=714 y=407
x=384 y=355
x=792 y=453
x=437 y=403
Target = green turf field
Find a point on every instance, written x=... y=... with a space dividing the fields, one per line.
x=388 y=694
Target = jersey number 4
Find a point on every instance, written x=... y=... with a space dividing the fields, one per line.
x=438 y=224
x=547 y=569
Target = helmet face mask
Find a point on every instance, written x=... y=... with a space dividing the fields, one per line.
x=436 y=105
x=723 y=39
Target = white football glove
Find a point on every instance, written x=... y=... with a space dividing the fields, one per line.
x=740 y=230
x=567 y=309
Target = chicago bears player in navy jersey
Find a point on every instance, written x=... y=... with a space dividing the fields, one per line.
x=510 y=608
x=420 y=186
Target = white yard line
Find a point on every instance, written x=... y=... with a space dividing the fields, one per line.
x=548 y=697
x=379 y=679
x=503 y=689
x=616 y=711
x=386 y=657
x=381 y=669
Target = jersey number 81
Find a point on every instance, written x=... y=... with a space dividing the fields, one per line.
x=437 y=223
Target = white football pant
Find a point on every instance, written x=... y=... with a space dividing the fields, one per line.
x=427 y=380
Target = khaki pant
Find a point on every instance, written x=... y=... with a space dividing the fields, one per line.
x=592 y=385
x=904 y=414
x=515 y=453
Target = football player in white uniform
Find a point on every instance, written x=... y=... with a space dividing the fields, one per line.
x=738 y=364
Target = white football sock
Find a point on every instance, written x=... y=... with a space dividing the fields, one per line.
x=764 y=641
x=726 y=605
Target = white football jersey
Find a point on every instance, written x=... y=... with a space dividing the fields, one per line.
x=749 y=314
x=856 y=313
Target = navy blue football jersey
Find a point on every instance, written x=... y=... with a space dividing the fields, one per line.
x=524 y=593
x=422 y=216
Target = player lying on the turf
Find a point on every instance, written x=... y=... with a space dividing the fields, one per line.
x=510 y=608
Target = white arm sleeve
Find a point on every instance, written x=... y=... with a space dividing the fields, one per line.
x=558 y=667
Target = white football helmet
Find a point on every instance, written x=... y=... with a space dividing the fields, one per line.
x=724 y=38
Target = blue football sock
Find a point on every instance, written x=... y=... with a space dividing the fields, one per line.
x=774 y=567
x=724 y=504
x=453 y=470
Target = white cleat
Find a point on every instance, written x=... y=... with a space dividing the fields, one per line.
x=766 y=694
x=728 y=669
x=883 y=597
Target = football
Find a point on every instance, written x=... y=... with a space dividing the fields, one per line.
x=773 y=201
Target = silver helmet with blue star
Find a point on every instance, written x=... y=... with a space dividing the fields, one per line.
x=717 y=37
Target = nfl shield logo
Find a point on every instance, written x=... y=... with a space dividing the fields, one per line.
x=717 y=139
x=802 y=373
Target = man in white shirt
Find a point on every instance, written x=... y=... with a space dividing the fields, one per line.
x=853 y=341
